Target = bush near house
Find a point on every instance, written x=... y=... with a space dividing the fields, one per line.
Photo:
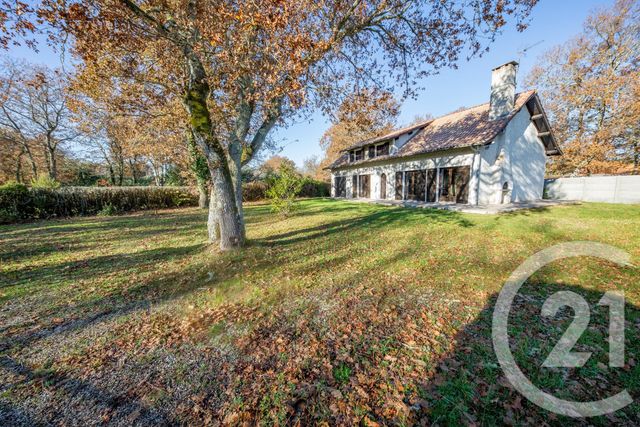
x=283 y=190
x=254 y=191
x=19 y=203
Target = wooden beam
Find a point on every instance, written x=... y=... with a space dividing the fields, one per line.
x=537 y=116
x=541 y=134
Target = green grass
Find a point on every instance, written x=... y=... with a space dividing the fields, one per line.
x=345 y=313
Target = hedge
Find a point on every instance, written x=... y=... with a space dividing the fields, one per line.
x=19 y=203
x=257 y=190
x=254 y=191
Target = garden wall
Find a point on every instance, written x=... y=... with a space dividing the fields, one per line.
x=607 y=189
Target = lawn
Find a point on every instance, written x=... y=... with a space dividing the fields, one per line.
x=344 y=313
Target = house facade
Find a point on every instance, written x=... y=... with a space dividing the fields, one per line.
x=492 y=153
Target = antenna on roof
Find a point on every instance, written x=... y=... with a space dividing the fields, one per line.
x=523 y=52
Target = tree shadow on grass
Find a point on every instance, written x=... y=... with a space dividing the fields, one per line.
x=141 y=296
x=103 y=405
x=21 y=242
x=95 y=266
x=374 y=221
x=97 y=223
x=469 y=386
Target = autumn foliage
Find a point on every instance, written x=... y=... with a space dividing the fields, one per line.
x=363 y=115
x=590 y=87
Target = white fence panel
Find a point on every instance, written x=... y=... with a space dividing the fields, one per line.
x=608 y=189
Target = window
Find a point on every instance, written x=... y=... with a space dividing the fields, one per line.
x=506 y=198
x=372 y=151
x=398 y=186
x=431 y=185
x=363 y=191
x=359 y=154
x=416 y=185
x=352 y=156
x=382 y=150
x=354 y=186
x=454 y=184
x=340 y=185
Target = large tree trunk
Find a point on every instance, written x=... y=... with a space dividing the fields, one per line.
x=203 y=194
x=120 y=172
x=200 y=171
x=213 y=223
x=231 y=233
x=34 y=166
x=112 y=175
x=230 y=225
x=235 y=168
x=134 y=172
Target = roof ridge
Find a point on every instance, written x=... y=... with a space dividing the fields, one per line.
x=478 y=105
x=390 y=134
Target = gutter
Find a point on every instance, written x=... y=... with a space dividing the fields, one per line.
x=476 y=154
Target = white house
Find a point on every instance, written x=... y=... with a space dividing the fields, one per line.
x=489 y=154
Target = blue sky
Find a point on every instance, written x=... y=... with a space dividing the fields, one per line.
x=552 y=22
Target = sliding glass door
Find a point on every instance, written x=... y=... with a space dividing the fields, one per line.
x=454 y=184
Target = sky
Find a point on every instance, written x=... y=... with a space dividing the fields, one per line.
x=553 y=22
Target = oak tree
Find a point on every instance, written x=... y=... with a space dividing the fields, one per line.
x=241 y=68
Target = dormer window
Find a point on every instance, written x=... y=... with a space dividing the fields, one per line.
x=371 y=152
x=382 y=149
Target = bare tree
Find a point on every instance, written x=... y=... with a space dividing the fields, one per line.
x=34 y=108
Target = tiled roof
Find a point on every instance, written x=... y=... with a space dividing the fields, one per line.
x=460 y=129
x=389 y=135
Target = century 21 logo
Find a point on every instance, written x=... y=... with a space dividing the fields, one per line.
x=561 y=355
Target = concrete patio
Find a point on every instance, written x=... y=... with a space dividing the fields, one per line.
x=475 y=209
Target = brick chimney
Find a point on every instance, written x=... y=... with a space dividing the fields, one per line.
x=503 y=90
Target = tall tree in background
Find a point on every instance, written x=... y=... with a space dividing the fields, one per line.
x=242 y=67
x=311 y=167
x=590 y=87
x=34 y=107
x=274 y=163
x=366 y=114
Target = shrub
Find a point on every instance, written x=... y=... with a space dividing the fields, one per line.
x=18 y=203
x=313 y=188
x=257 y=190
x=253 y=191
x=44 y=181
x=283 y=189
x=108 y=210
x=13 y=201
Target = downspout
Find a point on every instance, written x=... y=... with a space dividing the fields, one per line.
x=476 y=154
